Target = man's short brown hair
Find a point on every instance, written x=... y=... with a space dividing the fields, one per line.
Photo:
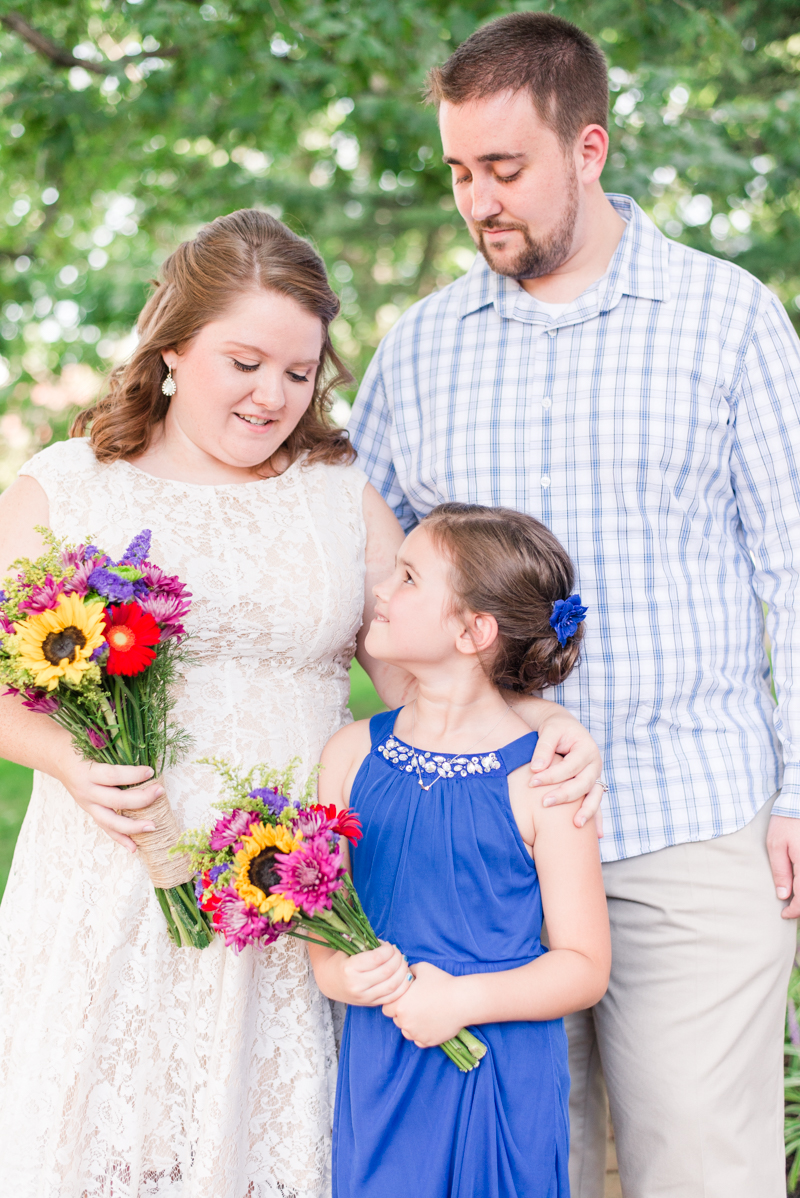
x=559 y=65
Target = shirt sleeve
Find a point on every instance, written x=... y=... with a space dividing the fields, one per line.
x=765 y=467
x=370 y=428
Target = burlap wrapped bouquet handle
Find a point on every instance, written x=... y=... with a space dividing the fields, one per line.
x=165 y=871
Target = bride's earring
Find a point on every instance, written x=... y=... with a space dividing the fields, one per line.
x=169 y=386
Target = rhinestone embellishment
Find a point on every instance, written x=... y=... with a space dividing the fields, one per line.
x=403 y=757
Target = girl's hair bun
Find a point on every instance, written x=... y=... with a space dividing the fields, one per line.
x=510 y=566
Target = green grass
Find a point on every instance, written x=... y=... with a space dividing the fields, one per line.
x=15 y=780
x=15 y=790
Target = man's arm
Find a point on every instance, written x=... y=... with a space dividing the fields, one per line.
x=765 y=468
x=370 y=429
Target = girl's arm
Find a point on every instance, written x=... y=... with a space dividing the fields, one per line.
x=36 y=740
x=573 y=975
x=366 y=979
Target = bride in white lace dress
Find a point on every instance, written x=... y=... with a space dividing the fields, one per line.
x=129 y=1067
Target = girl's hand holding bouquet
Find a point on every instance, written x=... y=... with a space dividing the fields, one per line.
x=96 y=645
x=273 y=865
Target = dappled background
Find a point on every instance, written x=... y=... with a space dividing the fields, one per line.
x=126 y=125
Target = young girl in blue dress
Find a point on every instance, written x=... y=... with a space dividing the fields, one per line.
x=458 y=861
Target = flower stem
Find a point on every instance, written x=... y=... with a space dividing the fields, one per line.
x=475 y=1046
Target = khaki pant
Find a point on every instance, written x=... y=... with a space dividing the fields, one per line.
x=689 y=1037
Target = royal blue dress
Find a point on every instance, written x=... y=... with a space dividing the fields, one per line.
x=445 y=875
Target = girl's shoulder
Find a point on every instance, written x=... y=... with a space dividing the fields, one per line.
x=341 y=760
x=347 y=743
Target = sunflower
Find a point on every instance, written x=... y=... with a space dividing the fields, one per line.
x=58 y=643
x=255 y=872
x=131 y=634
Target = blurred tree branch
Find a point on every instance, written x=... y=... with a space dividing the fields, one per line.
x=15 y=23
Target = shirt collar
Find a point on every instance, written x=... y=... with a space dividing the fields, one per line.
x=640 y=267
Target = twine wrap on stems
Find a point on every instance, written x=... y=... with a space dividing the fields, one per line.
x=165 y=870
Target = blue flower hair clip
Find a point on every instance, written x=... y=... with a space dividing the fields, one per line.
x=567 y=615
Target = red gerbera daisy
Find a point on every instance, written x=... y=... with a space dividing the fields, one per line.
x=346 y=822
x=130 y=634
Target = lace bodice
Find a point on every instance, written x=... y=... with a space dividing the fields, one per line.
x=173 y=1072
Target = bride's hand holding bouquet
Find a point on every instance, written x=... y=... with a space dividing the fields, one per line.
x=95 y=645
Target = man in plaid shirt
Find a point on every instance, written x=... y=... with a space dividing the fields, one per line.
x=642 y=400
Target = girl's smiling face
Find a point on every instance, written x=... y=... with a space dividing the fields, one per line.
x=414 y=623
x=245 y=380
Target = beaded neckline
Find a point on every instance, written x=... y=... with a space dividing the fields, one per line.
x=407 y=759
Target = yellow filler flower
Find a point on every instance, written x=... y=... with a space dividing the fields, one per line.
x=254 y=863
x=58 y=643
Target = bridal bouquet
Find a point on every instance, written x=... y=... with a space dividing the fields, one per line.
x=96 y=645
x=272 y=865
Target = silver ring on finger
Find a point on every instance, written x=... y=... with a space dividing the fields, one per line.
x=601 y=784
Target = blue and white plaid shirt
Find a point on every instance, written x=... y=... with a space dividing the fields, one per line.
x=654 y=426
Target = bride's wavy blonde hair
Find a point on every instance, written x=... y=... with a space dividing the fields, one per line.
x=234 y=254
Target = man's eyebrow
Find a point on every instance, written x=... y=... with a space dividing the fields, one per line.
x=498 y=157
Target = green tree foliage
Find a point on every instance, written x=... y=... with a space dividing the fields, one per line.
x=125 y=125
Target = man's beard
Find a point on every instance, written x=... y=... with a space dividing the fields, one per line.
x=536 y=258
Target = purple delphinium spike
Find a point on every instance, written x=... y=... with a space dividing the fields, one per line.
x=44 y=597
x=138 y=549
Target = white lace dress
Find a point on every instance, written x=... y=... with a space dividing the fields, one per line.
x=129 y=1067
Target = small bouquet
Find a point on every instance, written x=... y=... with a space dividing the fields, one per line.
x=272 y=866
x=96 y=645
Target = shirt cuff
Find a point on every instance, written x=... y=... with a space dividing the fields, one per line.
x=788 y=800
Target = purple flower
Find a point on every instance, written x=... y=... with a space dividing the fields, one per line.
x=273 y=801
x=138 y=549
x=44 y=597
x=241 y=924
x=97 y=653
x=41 y=703
x=310 y=874
x=96 y=739
x=231 y=828
x=567 y=615
x=110 y=585
x=167 y=610
x=78 y=584
x=5 y=623
x=216 y=870
x=73 y=557
x=311 y=823
x=163 y=584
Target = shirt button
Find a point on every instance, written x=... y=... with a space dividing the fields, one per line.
x=547 y=402
x=551 y=332
x=545 y=481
